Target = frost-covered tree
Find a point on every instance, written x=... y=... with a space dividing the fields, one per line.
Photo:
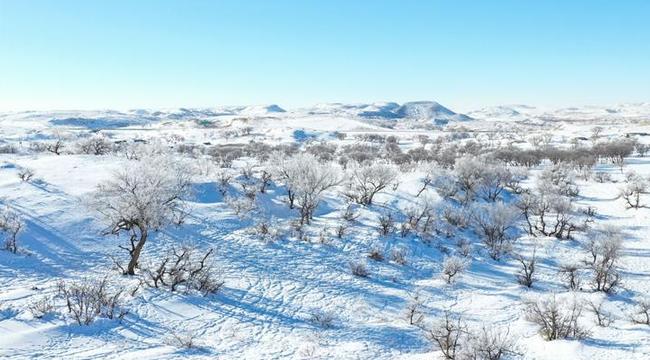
x=493 y=223
x=632 y=191
x=95 y=145
x=604 y=248
x=468 y=171
x=145 y=196
x=367 y=180
x=306 y=179
x=452 y=266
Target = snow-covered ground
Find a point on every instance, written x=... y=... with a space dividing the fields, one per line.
x=274 y=287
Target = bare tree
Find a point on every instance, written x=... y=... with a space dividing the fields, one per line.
x=557 y=320
x=306 y=179
x=144 y=197
x=413 y=312
x=446 y=333
x=368 y=180
x=492 y=223
x=56 y=146
x=11 y=225
x=603 y=317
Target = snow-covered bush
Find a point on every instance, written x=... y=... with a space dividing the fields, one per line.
x=359 y=268
x=494 y=179
x=88 y=299
x=603 y=317
x=489 y=343
x=493 y=223
x=642 y=312
x=42 y=307
x=145 y=196
x=367 y=180
x=556 y=319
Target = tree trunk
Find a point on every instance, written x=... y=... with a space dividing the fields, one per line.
x=135 y=255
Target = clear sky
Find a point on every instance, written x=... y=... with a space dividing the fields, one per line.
x=86 y=54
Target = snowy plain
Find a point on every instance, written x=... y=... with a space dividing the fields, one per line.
x=273 y=288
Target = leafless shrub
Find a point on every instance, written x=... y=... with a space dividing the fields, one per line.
x=241 y=206
x=386 y=223
x=527 y=272
x=87 y=299
x=184 y=340
x=398 y=256
x=186 y=269
x=224 y=178
x=489 y=344
x=604 y=248
x=359 y=268
x=632 y=191
x=570 y=274
x=556 y=319
x=452 y=266
x=459 y=217
x=25 y=174
x=306 y=179
x=340 y=230
x=446 y=334
x=41 y=307
x=603 y=317
x=642 y=312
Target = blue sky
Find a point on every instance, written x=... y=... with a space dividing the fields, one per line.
x=465 y=54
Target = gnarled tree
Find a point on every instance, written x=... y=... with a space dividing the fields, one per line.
x=144 y=197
